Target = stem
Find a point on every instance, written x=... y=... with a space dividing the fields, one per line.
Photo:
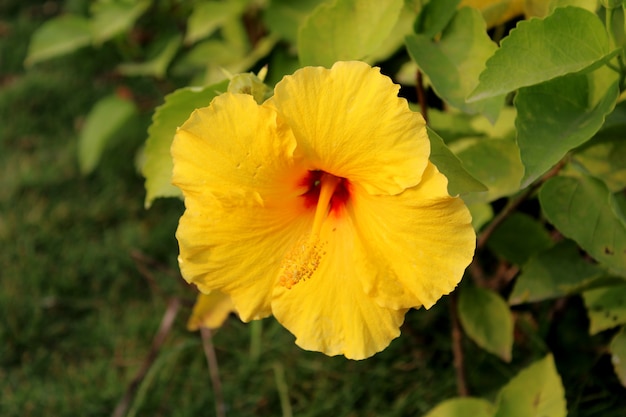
x=421 y=97
x=164 y=330
x=211 y=358
x=513 y=204
x=256 y=330
x=457 y=347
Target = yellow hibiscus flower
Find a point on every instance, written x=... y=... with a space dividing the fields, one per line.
x=319 y=206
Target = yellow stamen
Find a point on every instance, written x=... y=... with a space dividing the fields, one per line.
x=304 y=258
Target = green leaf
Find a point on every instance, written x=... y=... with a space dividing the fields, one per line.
x=463 y=407
x=537 y=391
x=177 y=108
x=103 y=123
x=58 y=36
x=346 y=29
x=208 y=16
x=606 y=307
x=518 y=238
x=571 y=109
x=487 y=320
x=604 y=155
x=454 y=63
x=581 y=209
x=495 y=163
x=481 y=214
x=570 y=40
x=618 y=355
x=459 y=180
x=110 y=18
x=157 y=66
x=284 y=17
x=434 y=16
x=553 y=273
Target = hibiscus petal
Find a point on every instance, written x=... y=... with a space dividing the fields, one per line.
x=416 y=245
x=349 y=121
x=242 y=214
x=329 y=312
x=210 y=310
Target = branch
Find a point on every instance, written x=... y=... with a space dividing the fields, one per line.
x=164 y=330
x=457 y=347
x=214 y=372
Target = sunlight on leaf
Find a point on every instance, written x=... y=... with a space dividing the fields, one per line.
x=568 y=41
x=58 y=36
x=463 y=407
x=104 y=121
x=284 y=17
x=554 y=117
x=618 y=355
x=536 y=391
x=606 y=307
x=553 y=273
x=581 y=209
x=345 y=30
x=487 y=320
x=158 y=162
x=454 y=62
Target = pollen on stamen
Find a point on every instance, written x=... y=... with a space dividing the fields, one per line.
x=301 y=261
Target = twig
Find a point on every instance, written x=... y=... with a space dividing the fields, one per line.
x=421 y=97
x=513 y=204
x=164 y=330
x=211 y=358
x=457 y=347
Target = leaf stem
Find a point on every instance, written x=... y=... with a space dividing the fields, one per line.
x=421 y=97
x=513 y=204
x=457 y=346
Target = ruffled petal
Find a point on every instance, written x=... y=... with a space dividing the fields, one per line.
x=235 y=167
x=349 y=121
x=329 y=312
x=415 y=245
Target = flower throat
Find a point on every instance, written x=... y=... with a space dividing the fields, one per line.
x=328 y=194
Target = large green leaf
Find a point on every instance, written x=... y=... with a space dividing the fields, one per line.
x=58 y=36
x=208 y=16
x=346 y=29
x=454 y=62
x=554 y=117
x=487 y=320
x=459 y=180
x=104 y=122
x=518 y=238
x=537 y=391
x=606 y=307
x=555 y=272
x=495 y=163
x=177 y=108
x=570 y=40
x=618 y=355
x=582 y=209
x=463 y=407
x=112 y=17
